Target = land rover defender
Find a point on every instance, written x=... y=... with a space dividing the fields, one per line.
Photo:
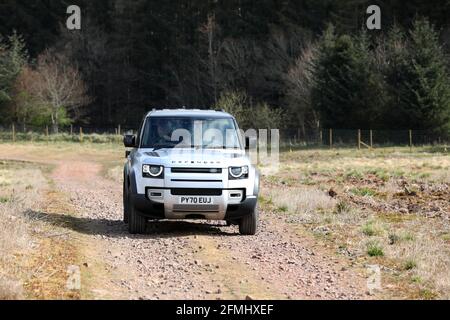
x=189 y=164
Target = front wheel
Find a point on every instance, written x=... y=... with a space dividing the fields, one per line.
x=126 y=202
x=249 y=224
x=136 y=223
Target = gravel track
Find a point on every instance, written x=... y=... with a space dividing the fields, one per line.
x=193 y=260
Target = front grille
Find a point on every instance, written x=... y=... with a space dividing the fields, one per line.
x=195 y=192
x=196 y=180
x=196 y=170
x=195 y=208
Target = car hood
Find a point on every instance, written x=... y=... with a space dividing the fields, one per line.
x=193 y=157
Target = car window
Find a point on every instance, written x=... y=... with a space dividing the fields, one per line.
x=204 y=133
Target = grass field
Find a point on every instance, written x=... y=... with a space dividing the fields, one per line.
x=388 y=207
x=21 y=188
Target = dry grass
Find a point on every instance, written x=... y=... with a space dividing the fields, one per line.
x=368 y=220
x=115 y=173
x=434 y=167
x=424 y=254
x=307 y=203
x=20 y=190
x=36 y=152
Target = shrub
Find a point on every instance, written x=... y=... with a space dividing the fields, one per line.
x=374 y=249
x=410 y=264
x=342 y=207
x=259 y=116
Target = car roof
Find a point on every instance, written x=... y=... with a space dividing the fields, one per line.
x=189 y=113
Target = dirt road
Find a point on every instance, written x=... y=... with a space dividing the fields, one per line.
x=189 y=260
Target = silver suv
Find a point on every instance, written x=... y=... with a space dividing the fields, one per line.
x=189 y=164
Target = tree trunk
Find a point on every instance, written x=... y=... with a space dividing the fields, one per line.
x=55 y=128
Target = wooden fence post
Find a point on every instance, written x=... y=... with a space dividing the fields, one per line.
x=331 y=138
x=359 y=139
x=371 y=139
x=13 y=133
x=71 y=129
x=410 y=140
x=119 y=130
x=46 y=133
x=81 y=134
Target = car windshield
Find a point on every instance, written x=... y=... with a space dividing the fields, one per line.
x=188 y=132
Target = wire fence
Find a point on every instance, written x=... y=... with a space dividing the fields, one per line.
x=292 y=137
x=335 y=138
x=15 y=133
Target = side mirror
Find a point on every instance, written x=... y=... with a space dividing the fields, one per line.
x=247 y=143
x=129 y=141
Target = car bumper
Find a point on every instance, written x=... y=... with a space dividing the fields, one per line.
x=167 y=207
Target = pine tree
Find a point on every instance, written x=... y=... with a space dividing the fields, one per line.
x=395 y=67
x=347 y=88
x=13 y=57
x=418 y=80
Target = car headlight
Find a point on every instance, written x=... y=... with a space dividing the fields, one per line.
x=238 y=172
x=152 y=171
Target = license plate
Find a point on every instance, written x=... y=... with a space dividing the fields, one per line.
x=196 y=200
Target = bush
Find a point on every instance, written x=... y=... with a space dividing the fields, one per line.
x=259 y=116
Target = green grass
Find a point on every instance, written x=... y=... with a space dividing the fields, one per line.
x=265 y=201
x=410 y=264
x=342 y=207
x=368 y=230
x=363 y=192
x=393 y=238
x=427 y=294
x=381 y=174
x=354 y=174
x=398 y=173
x=409 y=237
x=4 y=199
x=374 y=249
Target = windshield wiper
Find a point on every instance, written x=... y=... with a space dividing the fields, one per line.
x=163 y=146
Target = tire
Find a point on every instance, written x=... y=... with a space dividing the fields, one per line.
x=126 y=210
x=249 y=224
x=136 y=223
